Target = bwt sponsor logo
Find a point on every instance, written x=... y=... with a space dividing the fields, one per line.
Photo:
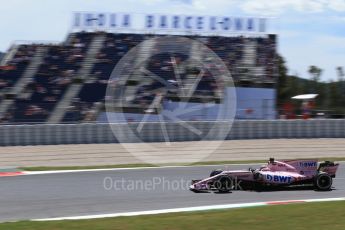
x=307 y=164
x=278 y=178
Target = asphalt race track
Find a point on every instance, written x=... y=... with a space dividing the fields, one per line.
x=103 y=192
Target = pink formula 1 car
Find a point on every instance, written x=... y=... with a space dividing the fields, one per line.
x=275 y=174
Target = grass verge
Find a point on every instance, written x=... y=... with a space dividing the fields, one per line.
x=323 y=215
x=48 y=168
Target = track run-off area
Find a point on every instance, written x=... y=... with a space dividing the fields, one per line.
x=230 y=150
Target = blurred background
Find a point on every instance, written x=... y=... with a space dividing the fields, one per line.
x=65 y=81
x=106 y=84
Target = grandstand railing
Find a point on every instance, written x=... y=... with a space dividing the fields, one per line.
x=90 y=133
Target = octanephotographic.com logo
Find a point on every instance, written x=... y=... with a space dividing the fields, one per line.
x=164 y=184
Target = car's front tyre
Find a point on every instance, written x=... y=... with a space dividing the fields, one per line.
x=223 y=184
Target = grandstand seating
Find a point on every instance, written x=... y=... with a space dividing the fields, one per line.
x=12 y=71
x=62 y=62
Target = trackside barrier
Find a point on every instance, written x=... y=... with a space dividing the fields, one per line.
x=91 y=133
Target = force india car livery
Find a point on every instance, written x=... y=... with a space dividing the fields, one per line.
x=274 y=174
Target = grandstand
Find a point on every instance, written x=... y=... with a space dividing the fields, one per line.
x=67 y=82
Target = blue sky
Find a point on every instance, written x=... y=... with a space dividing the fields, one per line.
x=311 y=32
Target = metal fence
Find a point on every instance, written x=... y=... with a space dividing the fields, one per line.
x=89 y=133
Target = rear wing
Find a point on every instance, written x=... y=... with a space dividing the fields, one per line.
x=328 y=167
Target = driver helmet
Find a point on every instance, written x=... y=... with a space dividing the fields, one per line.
x=271 y=160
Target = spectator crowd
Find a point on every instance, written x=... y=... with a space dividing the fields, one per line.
x=61 y=63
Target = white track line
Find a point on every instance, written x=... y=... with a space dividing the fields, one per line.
x=136 y=168
x=190 y=209
x=153 y=212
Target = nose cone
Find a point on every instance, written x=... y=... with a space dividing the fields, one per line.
x=193 y=189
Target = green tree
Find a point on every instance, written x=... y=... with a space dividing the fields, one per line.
x=340 y=73
x=335 y=96
x=315 y=73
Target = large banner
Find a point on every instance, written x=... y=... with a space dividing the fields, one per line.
x=169 y=24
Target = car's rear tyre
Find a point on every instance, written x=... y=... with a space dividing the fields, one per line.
x=215 y=172
x=323 y=182
x=223 y=184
